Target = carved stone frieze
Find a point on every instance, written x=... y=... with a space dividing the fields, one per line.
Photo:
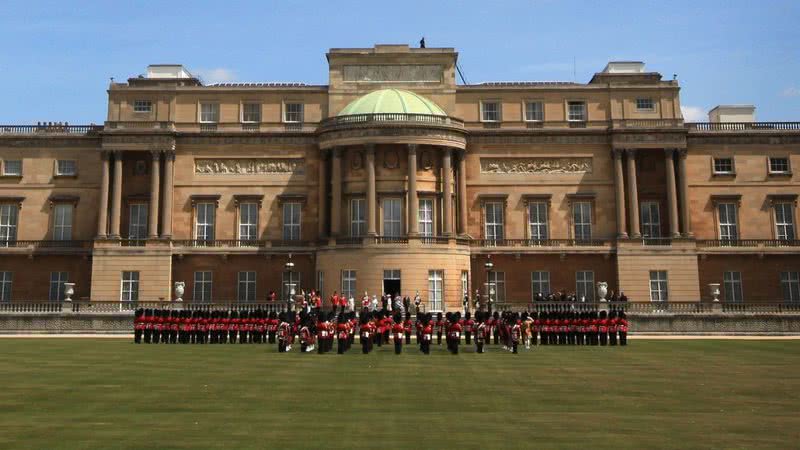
x=249 y=166
x=244 y=140
x=537 y=165
x=539 y=139
x=392 y=72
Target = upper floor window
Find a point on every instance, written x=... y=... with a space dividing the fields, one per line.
x=293 y=113
x=723 y=166
x=392 y=217
x=779 y=165
x=137 y=225
x=784 y=220
x=209 y=112
x=204 y=221
x=537 y=220
x=534 y=112
x=790 y=284
x=651 y=219
x=66 y=167
x=582 y=220
x=12 y=167
x=358 y=217
x=248 y=221
x=728 y=227
x=62 y=222
x=435 y=289
x=291 y=221
x=425 y=217
x=6 y=282
x=494 y=221
x=576 y=111
x=490 y=111
x=251 y=112
x=645 y=104
x=8 y=223
x=142 y=106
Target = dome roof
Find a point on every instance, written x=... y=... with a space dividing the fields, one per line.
x=392 y=101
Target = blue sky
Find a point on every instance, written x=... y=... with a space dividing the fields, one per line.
x=57 y=57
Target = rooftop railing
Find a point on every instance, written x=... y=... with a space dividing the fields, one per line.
x=743 y=126
x=50 y=129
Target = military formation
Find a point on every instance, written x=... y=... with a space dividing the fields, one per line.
x=317 y=330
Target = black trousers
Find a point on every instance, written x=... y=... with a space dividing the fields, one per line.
x=137 y=336
x=623 y=338
x=467 y=337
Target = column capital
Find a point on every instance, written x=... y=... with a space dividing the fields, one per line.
x=155 y=154
x=616 y=153
x=337 y=152
x=669 y=152
x=412 y=148
x=370 y=148
x=630 y=152
x=682 y=152
x=105 y=155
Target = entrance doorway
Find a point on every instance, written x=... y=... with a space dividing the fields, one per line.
x=391 y=282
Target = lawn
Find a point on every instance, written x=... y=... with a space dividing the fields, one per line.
x=110 y=393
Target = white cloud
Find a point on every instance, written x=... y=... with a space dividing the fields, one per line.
x=693 y=114
x=218 y=75
x=791 y=92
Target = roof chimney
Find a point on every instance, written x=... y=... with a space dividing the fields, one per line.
x=732 y=113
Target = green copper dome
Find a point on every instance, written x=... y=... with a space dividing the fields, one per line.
x=392 y=101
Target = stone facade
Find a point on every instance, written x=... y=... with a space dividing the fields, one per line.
x=243 y=178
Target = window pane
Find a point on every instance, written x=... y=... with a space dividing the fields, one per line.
x=291 y=221
x=576 y=111
x=584 y=285
x=205 y=221
x=66 y=167
x=425 y=217
x=6 y=281
x=251 y=112
x=784 y=221
x=728 y=229
x=12 y=167
x=582 y=220
x=62 y=222
x=209 y=112
x=732 y=286
x=658 y=286
x=247 y=287
x=8 y=223
x=436 y=289
x=534 y=111
x=348 y=283
x=358 y=223
x=494 y=220
x=248 y=221
x=137 y=225
x=540 y=283
x=57 y=280
x=537 y=220
x=293 y=112
x=203 y=283
x=392 y=219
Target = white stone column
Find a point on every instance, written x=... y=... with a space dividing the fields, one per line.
x=116 y=199
x=155 y=182
x=102 y=215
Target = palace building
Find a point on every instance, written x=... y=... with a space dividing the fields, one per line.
x=394 y=177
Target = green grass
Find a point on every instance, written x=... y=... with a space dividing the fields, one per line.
x=109 y=393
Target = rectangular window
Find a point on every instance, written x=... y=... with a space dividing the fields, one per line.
x=247 y=287
x=436 y=290
x=209 y=112
x=728 y=228
x=349 y=283
x=778 y=165
x=540 y=283
x=137 y=226
x=251 y=112
x=66 y=167
x=6 y=282
x=425 y=217
x=464 y=283
x=651 y=220
x=582 y=220
x=645 y=104
x=490 y=111
x=290 y=283
x=130 y=287
x=537 y=220
x=293 y=113
x=497 y=286
x=576 y=111
x=8 y=223
x=723 y=166
x=392 y=217
x=790 y=284
x=584 y=285
x=658 y=286
x=784 y=221
x=62 y=222
x=320 y=282
x=57 y=280
x=248 y=221
x=732 y=286
x=142 y=106
x=358 y=217
x=204 y=221
x=203 y=285
x=12 y=167
x=495 y=229
x=534 y=112
x=291 y=221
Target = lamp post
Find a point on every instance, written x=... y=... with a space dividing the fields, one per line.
x=488 y=265
x=289 y=266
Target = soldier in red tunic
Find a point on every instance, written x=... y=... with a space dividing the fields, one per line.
x=284 y=329
x=342 y=334
x=138 y=325
x=469 y=324
x=454 y=333
x=622 y=328
x=407 y=327
x=612 y=328
x=426 y=334
x=306 y=335
x=439 y=325
x=397 y=334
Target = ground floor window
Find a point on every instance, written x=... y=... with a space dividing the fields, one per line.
x=540 y=283
x=247 y=287
x=291 y=283
x=732 y=286
x=57 y=280
x=348 y=283
x=658 y=286
x=130 y=287
x=790 y=283
x=436 y=289
x=584 y=285
x=203 y=284
x=6 y=280
x=464 y=283
x=497 y=286
x=320 y=282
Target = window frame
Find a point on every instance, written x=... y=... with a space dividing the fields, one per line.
x=649 y=225
x=201 y=114
x=286 y=112
x=729 y=226
x=426 y=222
x=499 y=111
x=732 y=287
x=143 y=208
x=291 y=230
x=538 y=279
x=206 y=281
x=435 y=285
x=250 y=284
x=244 y=113
x=789 y=227
x=205 y=225
x=581 y=283
x=790 y=286
x=662 y=294
x=63 y=173
x=541 y=206
x=249 y=226
x=652 y=107
x=65 y=233
x=501 y=225
x=585 y=114
x=59 y=279
x=525 y=104
x=576 y=224
x=358 y=217
x=10 y=226
x=131 y=280
x=788 y=170
x=398 y=221
x=714 y=170
x=138 y=103
x=6 y=173
x=350 y=277
x=498 y=278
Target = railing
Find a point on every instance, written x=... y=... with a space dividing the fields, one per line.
x=217 y=243
x=434 y=240
x=37 y=244
x=50 y=128
x=353 y=240
x=664 y=241
x=140 y=125
x=132 y=242
x=427 y=119
x=647 y=123
x=289 y=243
x=743 y=126
x=251 y=127
x=25 y=307
x=539 y=242
x=208 y=127
x=391 y=240
x=99 y=307
x=723 y=243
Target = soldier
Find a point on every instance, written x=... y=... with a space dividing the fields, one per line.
x=147 y=322
x=138 y=325
x=407 y=327
x=342 y=334
x=480 y=332
x=454 y=333
x=365 y=333
x=468 y=326
x=496 y=326
x=515 y=332
x=426 y=333
x=417 y=302
x=439 y=326
x=622 y=328
x=397 y=334
x=602 y=328
x=612 y=328
x=306 y=334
